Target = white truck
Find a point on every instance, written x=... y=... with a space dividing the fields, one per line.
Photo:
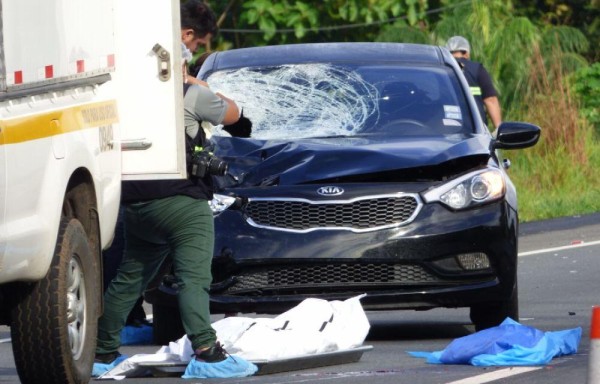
x=89 y=91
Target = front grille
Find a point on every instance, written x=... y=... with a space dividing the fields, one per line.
x=331 y=275
x=358 y=215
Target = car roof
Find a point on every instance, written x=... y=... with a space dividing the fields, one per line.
x=326 y=53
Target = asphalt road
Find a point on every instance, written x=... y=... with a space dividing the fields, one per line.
x=559 y=265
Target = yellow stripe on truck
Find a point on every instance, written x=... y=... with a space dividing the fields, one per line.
x=54 y=123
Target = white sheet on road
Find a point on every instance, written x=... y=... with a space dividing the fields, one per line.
x=312 y=327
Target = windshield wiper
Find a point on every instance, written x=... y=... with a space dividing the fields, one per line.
x=334 y=137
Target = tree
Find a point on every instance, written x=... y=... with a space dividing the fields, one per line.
x=504 y=42
x=581 y=14
x=502 y=36
x=260 y=22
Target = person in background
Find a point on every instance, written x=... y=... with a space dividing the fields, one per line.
x=479 y=80
x=172 y=218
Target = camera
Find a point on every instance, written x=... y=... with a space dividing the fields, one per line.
x=204 y=162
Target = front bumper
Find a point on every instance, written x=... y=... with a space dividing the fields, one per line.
x=413 y=266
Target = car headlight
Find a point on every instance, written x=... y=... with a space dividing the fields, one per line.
x=219 y=203
x=475 y=188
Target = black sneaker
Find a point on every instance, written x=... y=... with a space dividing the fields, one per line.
x=213 y=354
x=106 y=358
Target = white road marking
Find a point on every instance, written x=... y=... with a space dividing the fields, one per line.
x=5 y=340
x=496 y=375
x=538 y=251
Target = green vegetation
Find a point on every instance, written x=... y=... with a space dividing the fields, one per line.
x=559 y=176
x=538 y=52
x=550 y=186
x=587 y=88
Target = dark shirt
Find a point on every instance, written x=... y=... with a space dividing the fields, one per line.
x=145 y=190
x=200 y=104
x=479 y=81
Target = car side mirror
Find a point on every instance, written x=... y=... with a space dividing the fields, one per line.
x=516 y=135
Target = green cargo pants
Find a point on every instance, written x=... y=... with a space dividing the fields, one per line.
x=182 y=227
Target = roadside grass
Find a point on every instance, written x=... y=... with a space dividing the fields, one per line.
x=552 y=186
x=560 y=176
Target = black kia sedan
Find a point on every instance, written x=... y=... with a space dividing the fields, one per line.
x=368 y=170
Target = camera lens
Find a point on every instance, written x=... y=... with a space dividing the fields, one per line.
x=217 y=167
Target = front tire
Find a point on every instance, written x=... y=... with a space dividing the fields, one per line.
x=54 y=324
x=491 y=314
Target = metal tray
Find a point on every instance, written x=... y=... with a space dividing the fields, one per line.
x=266 y=367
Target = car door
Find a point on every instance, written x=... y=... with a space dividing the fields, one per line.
x=149 y=84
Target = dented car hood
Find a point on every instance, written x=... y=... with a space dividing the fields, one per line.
x=260 y=162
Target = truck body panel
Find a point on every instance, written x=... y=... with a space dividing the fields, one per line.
x=92 y=85
x=46 y=42
x=91 y=93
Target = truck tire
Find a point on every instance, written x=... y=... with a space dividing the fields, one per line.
x=54 y=324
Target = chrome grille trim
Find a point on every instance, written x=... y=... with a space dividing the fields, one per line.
x=412 y=201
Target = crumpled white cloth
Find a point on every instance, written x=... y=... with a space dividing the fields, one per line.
x=313 y=326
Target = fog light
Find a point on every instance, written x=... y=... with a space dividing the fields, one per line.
x=473 y=261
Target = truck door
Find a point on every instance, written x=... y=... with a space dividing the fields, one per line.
x=149 y=81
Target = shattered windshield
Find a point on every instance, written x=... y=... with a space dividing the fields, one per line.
x=324 y=100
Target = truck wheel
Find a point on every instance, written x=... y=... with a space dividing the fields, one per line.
x=54 y=324
x=492 y=314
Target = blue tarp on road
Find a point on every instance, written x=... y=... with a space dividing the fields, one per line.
x=508 y=344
